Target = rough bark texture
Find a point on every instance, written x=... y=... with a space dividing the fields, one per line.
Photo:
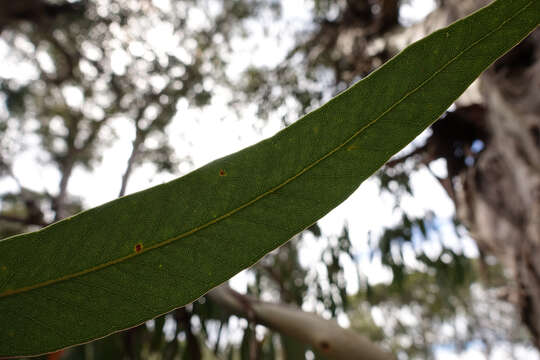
x=499 y=198
x=496 y=193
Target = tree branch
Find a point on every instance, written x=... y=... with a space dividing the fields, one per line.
x=23 y=221
x=325 y=336
x=398 y=160
x=130 y=164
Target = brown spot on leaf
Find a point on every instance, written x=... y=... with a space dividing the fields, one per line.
x=222 y=173
x=325 y=346
x=138 y=248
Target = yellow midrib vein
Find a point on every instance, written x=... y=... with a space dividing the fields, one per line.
x=272 y=190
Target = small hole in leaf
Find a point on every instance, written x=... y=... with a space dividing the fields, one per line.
x=138 y=248
x=222 y=172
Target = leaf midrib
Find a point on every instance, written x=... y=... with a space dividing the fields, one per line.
x=10 y=292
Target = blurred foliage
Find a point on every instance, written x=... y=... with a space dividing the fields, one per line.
x=80 y=68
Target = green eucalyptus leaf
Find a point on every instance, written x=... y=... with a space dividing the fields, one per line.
x=132 y=259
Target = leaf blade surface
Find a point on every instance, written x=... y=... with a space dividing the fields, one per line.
x=134 y=258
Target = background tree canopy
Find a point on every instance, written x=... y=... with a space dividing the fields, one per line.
x=79 y=77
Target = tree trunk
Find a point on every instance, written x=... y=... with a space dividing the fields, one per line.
x=59 y=202
x=499 y=198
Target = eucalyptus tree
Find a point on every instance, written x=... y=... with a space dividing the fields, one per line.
x=90 y=65
x=488 y=142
